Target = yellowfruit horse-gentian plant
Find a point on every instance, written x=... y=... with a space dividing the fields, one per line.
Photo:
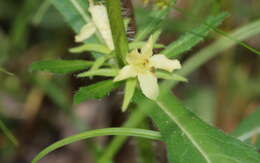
x=143 y=65
x=139 y=64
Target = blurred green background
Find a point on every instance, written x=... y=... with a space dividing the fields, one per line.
x=37 y=106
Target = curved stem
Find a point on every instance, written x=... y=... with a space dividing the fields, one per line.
x=148 y=134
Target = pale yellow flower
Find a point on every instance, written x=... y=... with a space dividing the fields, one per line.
x=143 y=65
x=100 y=23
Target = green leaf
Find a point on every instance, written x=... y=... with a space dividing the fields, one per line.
x=201 y=100
x=99 y=72
x=129 y=92
x=98 y=63
x=42 y=10
x=254 y=50
x=189 y=40
x=140 y=44
x=94 y=91
x=209 y=52
x=74 y=12
x=60 y=66
x=148 y=134
x=180 y=78
x=157 y=18
x=189 y=139
x=91 y=47
x=170 y=76
x=249 y=127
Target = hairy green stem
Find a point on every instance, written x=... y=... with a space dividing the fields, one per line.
x=118 y=30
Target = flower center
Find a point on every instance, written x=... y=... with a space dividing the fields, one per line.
x=143 y=66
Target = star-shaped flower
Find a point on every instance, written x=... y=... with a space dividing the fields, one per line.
x=143 y=65
x=100 y=23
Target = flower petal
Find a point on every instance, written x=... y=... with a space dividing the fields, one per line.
x=85 y=32
x=149 y=85
x=133 y=57
x=100 y=18
x=162 y=62
x=126 y=72
x=147 y=50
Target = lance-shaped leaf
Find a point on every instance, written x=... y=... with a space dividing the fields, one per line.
x=60 y=66
x=189 y=40
x=140 y=44
x=189 y=139
x=74 y=12
x=91 y=47
x=108 y=72
x=98 y=63
x=157 y=17
x=170 y=76
x=129 y=93
x=249 y=128
x=95 y=91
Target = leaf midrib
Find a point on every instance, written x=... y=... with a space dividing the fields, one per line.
x=189 y=136
x=80 y=10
